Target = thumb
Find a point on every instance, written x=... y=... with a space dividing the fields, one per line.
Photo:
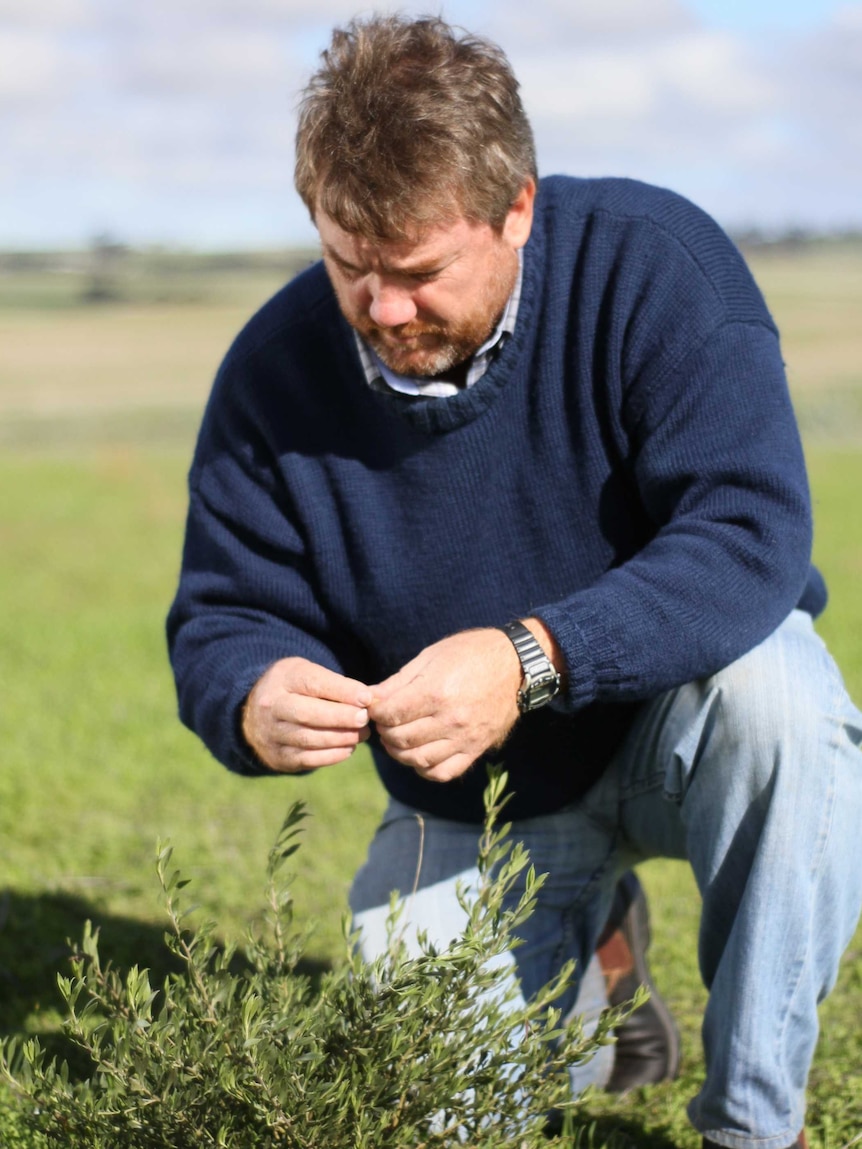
x=380 y=691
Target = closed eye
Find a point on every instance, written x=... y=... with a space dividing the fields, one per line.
x=351 y=272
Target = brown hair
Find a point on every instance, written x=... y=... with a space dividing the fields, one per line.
x=409 y=123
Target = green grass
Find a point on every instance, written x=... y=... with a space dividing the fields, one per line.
x=96 y=765
x=97 y=768
x=836 y=482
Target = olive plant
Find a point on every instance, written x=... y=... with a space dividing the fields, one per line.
x=431 y=1049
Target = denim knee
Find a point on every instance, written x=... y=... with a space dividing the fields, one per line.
x=760 y=720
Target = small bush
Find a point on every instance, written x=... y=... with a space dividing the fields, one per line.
x=425 y=1051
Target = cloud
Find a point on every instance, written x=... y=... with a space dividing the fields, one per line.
x=688 y=93
x=583 y=23
x=754 y=128
x=172 y=99
x=823 y=87
x=47 y=13
x=215 y=61
x=32 y=66
x=282 y=11
x=706 y=74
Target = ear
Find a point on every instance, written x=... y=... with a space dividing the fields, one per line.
x=519 y=221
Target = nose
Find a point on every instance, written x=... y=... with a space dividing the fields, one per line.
x=390 y=305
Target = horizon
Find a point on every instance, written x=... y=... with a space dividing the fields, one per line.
x=747 y=237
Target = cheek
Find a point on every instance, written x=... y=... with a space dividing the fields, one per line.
x=351 y=299
x=436 y=305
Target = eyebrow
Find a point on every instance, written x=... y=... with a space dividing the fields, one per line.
x=332 y=254
x=429 y=268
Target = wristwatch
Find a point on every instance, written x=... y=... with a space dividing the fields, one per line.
x=541 y=681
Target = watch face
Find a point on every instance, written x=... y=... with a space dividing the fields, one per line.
x=539 y=689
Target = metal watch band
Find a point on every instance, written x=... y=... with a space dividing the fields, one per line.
x=541 y=681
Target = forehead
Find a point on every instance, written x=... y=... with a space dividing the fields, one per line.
x=431 y=245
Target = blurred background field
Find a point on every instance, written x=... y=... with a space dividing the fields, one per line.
x=106 y=359
x=110 y=345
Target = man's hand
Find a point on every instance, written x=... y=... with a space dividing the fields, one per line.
x=454 y=701
x=300 y=716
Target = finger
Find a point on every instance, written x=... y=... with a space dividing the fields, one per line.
x=307 y=738
x=401 y=675
x=317 y=681
x=381 y=691
x=319 y=713
x=447 y=770
x=401 y=679
x=291 y=761
x=422 y=758
x=410 y=735
x=410 y=703
x=300 y=753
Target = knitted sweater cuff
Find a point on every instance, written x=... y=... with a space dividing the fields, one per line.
x=591 y=656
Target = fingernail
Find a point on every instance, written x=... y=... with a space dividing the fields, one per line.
x=364 y=697
x=361 y=717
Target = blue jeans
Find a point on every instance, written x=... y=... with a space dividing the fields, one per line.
x=755 y=777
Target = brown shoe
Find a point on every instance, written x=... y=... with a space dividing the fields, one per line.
x=647 y=1045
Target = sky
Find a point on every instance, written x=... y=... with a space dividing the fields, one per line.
x=171 y=122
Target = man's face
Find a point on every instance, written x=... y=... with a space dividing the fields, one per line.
x=427 y=304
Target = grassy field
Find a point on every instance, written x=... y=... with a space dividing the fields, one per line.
x=97 y=410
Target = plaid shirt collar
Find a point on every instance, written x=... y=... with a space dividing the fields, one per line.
x=380 y=378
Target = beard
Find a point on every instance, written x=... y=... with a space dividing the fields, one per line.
x=424 y=348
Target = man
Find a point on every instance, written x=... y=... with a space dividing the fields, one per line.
x=513 y=475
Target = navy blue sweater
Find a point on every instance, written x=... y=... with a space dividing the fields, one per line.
x=628 y=470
